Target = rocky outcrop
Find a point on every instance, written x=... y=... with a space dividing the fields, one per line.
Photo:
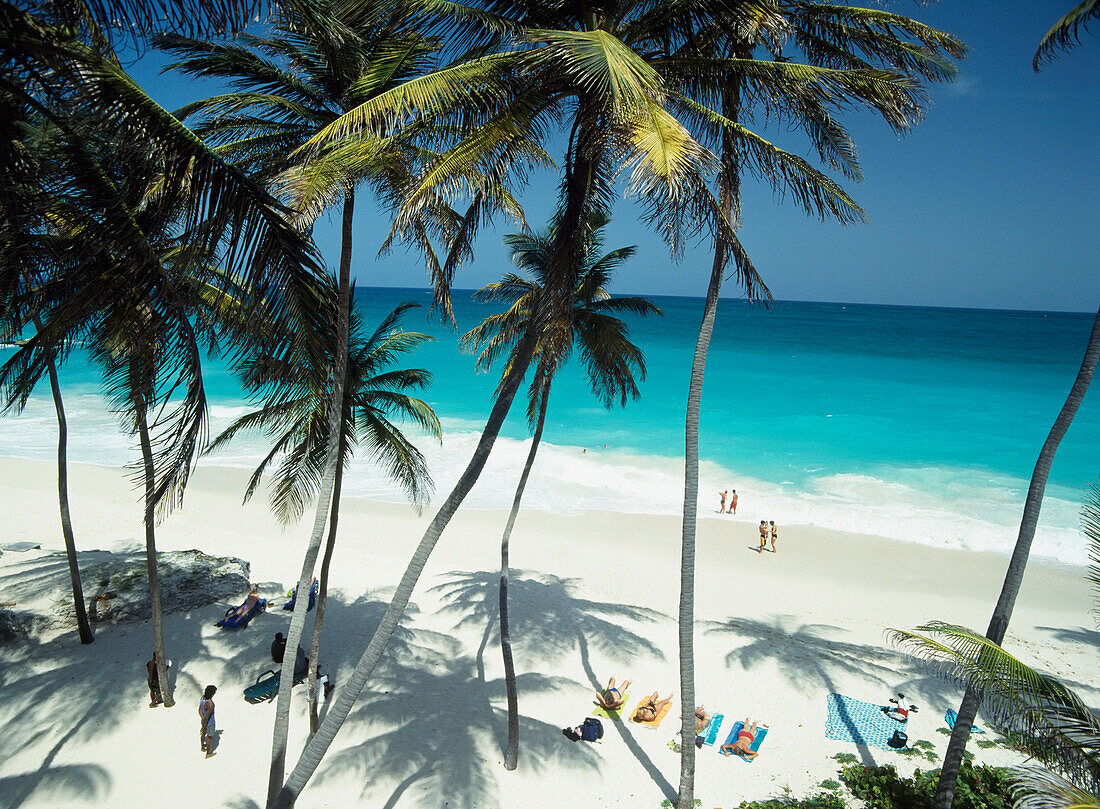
x=117 y=587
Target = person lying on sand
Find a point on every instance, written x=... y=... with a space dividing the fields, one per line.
x=744 y=739
x=248 y=605
x=649 y=707
x=702 y=719
x=612 y=698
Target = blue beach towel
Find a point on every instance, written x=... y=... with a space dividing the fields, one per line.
x=858 y=722
x=952 y=715
x=757 y=740
x=710 y=735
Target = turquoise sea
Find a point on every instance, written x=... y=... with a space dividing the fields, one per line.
x=919 y=424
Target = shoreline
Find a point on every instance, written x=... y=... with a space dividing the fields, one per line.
x=592 y=596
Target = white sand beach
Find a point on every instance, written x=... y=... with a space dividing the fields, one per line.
x=592 y=596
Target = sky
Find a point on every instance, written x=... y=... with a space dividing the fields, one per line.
x=990 y=202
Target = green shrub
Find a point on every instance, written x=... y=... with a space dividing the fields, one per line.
x=979 y=787
x=846 y=758
x=830 y=784
x=823 y=800
x=924 y=744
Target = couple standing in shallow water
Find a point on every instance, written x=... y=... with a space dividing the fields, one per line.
x=765 y=529
x=733 y=501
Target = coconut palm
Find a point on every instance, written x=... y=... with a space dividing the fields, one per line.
x=1066 y=33
x=840 y=37
x=373 y=393
x=31 y=157
x=597 y=70
x=323 y=60
x=610 y=359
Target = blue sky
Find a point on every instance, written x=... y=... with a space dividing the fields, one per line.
x=991 y=202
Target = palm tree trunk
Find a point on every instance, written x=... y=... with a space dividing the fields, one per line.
x=83 y=627
x=349 y=690
x=151 y=554
x=728 y=195
x=322 y=597
x=324 y=499
x=511 y=754
x=1002 y=613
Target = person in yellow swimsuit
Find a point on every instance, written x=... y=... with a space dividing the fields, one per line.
x=763 y=535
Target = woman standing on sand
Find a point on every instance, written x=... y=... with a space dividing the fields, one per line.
x=775 y=533
x=206 y=720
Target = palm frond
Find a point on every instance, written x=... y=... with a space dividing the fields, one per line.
x=1066 y=33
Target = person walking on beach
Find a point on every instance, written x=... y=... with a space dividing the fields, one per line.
x=775 y=533
x=722 y=506
x=733 y=502
x=206 y=721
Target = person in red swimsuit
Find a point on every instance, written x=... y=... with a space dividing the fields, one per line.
x=744 y=739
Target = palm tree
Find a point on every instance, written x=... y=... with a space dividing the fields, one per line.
x=1066 y=33
x=324 y=59
x=30 y=159
x=599 y=71
x=1047 y=719
x=1014 y=576
x=373 y=393
x=610 y=359
x=841 y=38
x=142 y=212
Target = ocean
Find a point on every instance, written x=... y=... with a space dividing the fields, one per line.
x=918 y=424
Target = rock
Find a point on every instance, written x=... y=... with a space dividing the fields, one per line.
x=117 y=587
x=12 y=627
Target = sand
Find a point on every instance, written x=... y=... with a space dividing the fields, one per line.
x=592 y=596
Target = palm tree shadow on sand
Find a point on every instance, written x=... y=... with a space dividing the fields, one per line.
x=425 y=723
x=808 y=659
x=549 y=621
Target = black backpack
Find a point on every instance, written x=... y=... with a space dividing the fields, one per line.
x=592 y=729
x=898 y=740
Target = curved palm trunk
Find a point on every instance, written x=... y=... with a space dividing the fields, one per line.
x=83 y=627
x=511 y=754
x=324 y=498
x=728 y=194
x=349 y=690
x=1002 y=613
x=151 y=555
x=322 y=598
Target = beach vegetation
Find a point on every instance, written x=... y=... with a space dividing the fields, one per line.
x=881 y=787
x=829 y=799
x=846 y=758
x=603 y=345
x=830 y=784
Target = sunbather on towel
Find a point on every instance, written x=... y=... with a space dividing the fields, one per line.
x=612 y=697
x=649 y=707
x=248 y=605
x=744 y=738
x=702 y=719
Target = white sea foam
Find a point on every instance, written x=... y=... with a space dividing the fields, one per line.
x=951 y=508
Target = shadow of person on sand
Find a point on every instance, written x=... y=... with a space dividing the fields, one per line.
x=808 y=659
x=423 y=728
x=548 y=621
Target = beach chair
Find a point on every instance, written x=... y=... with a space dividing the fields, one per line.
x=294 y=597
x=234 y=621
x=952 y=716
x=266 y=686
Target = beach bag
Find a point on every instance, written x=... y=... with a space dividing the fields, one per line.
x=592 y=729
x=898 y=740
